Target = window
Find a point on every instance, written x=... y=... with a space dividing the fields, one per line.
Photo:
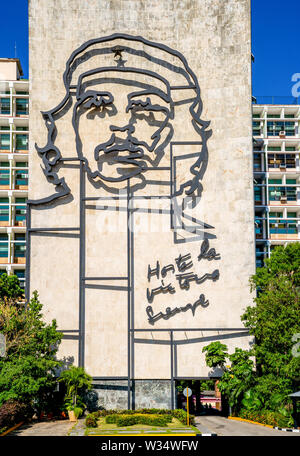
x=20 y=211
x=276 y=193
x=257 y=162
x=291 y=193
x=274 y=128
x=22 y=106
x=21 y=164
x=19 y=245
x=21 y=128
x=258 y=229
x=275 y=181
x=289 y=116
x=256 y=128
x=275 y=215
x=273 y=116
x=291 y=181
x=283 y=227
x=4 y=128
x=21 y=177
x=290 y=161
x=290 y=148
x=289 y=128
x=292 y=214
x=4 y=176
x=21 y=142
x=281 y=161
x=5 y=106
x=20 y=273
x=3 y=245
x=258 y=195
x=4 y=141
x=277 y=148
x=4 y=211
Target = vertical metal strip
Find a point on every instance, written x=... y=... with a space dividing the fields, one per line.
x=28 y=250
x=81 y=268
x=132 y=368
x=172 y=369
x=128 y=295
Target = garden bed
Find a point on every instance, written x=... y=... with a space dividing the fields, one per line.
x=143 y=422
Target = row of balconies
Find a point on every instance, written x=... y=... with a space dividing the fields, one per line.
x=14 y=105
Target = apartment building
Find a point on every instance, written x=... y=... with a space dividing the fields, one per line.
x=276 y=132
x=14 y=100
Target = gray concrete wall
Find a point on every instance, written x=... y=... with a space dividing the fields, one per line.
x=112 y=394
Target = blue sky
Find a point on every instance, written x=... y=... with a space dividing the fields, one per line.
x=275 y=41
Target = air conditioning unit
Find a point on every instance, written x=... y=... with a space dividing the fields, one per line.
x=283 y=198
x=282 y=134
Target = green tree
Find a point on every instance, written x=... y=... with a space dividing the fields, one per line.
x=27 y=371
x=275 y=320
x=10 y=289
x=215 y=354
x=237 y=377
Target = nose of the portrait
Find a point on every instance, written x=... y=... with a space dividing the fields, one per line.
x=122 y=131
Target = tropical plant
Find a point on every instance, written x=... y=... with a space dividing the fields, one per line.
x=77 y=382
x=274 y=322
x=215 y=354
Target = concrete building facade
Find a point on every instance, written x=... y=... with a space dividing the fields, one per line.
x=276 y=176
x=14 y=111
x=140 y=162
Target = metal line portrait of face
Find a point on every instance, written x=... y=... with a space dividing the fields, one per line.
x=124 y=92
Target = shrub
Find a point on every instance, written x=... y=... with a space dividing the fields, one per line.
x=266 y=417
x=12 y=412
x=139 y=418
x=91 y=420
x=165 y=416
x=181 y=415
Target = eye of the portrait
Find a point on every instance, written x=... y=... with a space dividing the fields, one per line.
x=98 y=100
x=100 y=104
x=146 y=107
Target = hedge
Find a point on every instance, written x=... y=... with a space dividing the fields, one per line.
x=266 y=417
x=181 y=415
x=139 y=418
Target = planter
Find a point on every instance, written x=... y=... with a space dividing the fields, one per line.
x=72 y=416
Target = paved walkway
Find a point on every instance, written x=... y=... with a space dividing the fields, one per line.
x=44 y=428
x=224 y=427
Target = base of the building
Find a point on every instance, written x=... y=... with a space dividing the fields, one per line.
x=113 y=394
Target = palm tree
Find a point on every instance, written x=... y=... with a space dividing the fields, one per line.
x=76 y=381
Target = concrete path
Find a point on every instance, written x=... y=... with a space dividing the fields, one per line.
x=44 y=428
x=225 y=427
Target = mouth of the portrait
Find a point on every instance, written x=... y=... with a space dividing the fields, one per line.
x=122 y=153
x=123 y=159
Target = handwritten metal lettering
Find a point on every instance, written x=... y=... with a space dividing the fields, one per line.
x=207 y=253
x=185 y=279
x=154 y=271
x=162 y=289
x=182 y=263
x=165 y=269
x=171 y=312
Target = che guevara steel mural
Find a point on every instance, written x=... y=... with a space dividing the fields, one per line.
x=135 y=86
